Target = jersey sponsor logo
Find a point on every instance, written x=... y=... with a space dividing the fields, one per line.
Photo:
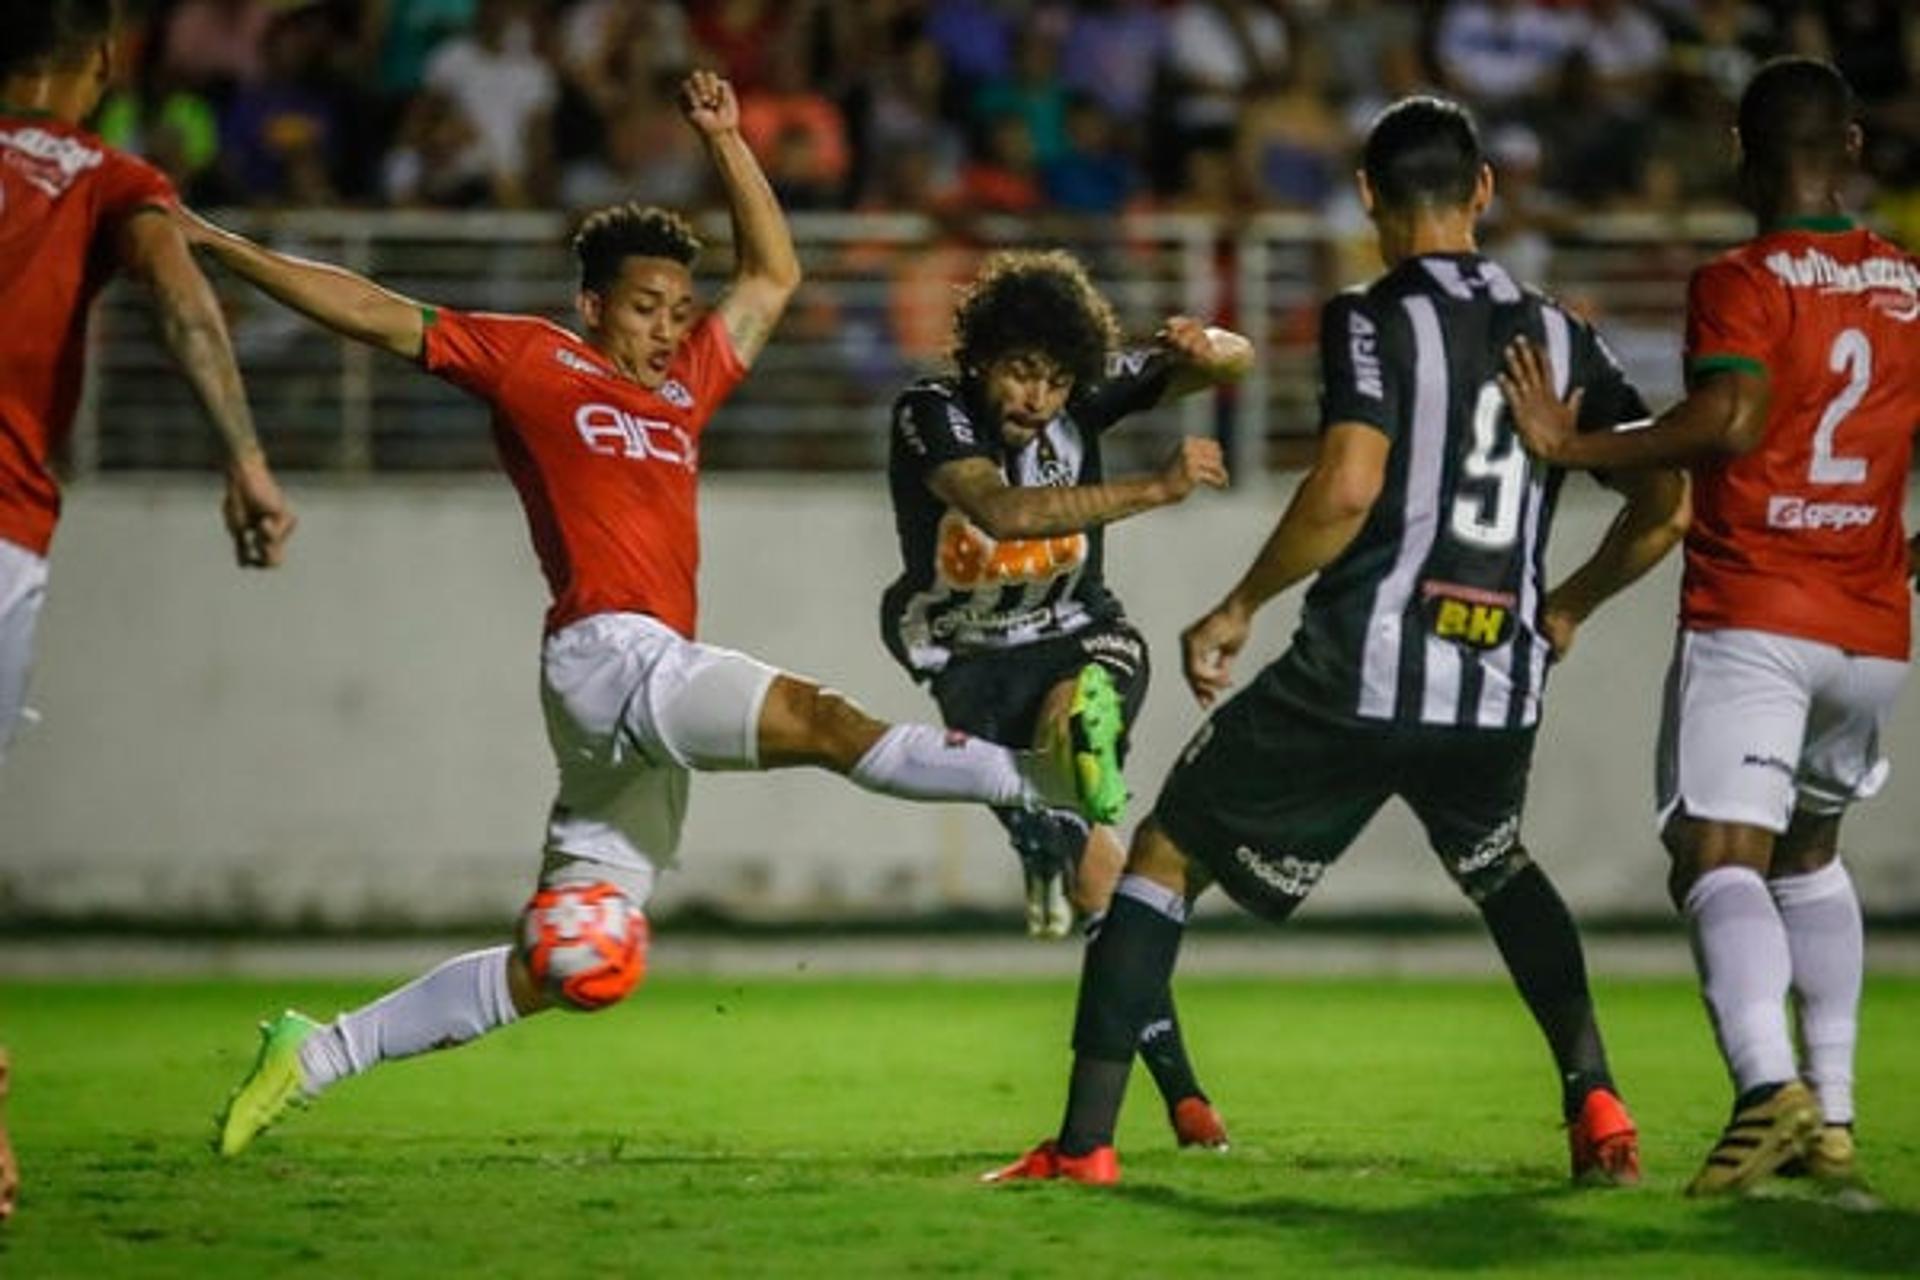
x=1289 y=875
x=1363 y=348
x=1775 y=763
x=960 y=424
x=1785 y=511
x=48 y=161
x=1473 y=616
x=969 y=559
x=1893 y=283
x=675 y=393
x=1128 y=364
x=577 y=362
x=618 y=434
x=979 y=627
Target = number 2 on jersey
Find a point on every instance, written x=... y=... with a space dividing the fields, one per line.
x=1852 y=355
x=1491 y=521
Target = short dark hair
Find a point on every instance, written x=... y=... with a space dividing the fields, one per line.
x=1423 y=152
x=608 y=237
x=42 y=35
x=1027 y=300
x=1795 y=108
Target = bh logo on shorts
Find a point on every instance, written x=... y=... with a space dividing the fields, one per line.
x=619 y=434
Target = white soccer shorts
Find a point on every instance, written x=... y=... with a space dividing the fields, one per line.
x=23 y=586
x=1756 y=725
x=631 y=707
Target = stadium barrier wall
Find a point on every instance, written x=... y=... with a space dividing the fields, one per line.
x=356 y=740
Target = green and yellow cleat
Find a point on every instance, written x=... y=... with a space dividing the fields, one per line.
x=1096 y=723
x=273 y=1085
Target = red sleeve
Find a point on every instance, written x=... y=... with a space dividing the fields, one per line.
x=474 y=350
x=125 y=186
x=709 y=366
x=1734 y=319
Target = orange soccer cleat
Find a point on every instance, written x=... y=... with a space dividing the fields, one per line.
x=1604 y=1144
x=1046 y=1162
x=1197 y=1124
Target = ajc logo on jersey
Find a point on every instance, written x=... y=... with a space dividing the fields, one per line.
x=968 y=558
x=619 y=434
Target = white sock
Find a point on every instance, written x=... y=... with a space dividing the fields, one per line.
x=462 y=999
x=1740 y=948
x=920 y=762
x=1822 y=915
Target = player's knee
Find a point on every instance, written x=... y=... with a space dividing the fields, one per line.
x=584 y=944
x=817 y=725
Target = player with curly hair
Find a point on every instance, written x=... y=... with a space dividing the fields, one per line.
x=1000 y=500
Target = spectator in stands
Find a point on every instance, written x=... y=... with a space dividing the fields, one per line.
x=1033 y=92
x=904 y=116
x=1518 y=229
x=505 y=92
x=214 y=45
x=1094 y=174
x=280 y=132
x=803 y=128
x=613 y=51
x=1499 y=54
x=975 y=40
x=170 y=124
x=1002 y=178
x=1373 y=49
x=1294 y=149
x=431 y=164
x=1594 y=152
x=647 y=155
x=1113 y=51
x=410 y=30
x=1725 y=41
x=1686 y=165
x=737 y=38
x=1219 y=52
x=1627 y=51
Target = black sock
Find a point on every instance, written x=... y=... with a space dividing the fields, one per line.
x=1536 y=937
x=1165 y=1054
x=1123 y=981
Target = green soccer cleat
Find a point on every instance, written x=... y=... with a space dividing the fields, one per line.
x=1095 y=725
x=273 y=1085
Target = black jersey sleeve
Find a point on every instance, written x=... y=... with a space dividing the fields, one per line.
x=933 y=428
x=1611 y=399
x=1135 y=381
x=1356 y=383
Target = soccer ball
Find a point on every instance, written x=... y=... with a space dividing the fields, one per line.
x=585 y=943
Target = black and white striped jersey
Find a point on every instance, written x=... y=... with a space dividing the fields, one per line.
x=961 y=591
x=1431 y=616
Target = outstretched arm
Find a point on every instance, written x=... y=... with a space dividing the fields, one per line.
x=976 y=487
x=195 y=332
x=334 y=297
x=1328 y=511
x=1652 y=520
x=766 y=270
x=1724 y=414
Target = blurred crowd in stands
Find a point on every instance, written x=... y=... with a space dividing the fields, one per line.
x=970 y=106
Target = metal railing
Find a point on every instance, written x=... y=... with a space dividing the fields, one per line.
x=874 y=313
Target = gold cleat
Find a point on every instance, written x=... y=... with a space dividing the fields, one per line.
x=1759 y=1140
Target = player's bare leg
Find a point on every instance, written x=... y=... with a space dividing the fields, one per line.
x=9 y=1166
x=1821 y=911
x=1741 y=949
x=803 y=723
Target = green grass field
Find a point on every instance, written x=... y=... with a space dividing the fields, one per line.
x=835 y=1128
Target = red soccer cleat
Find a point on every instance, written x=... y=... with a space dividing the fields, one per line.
x=1197 y=1124
x=1046 y=1162
x=1604 y=1144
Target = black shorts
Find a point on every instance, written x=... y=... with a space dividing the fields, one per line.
x=997 y=695
x=1268 y=795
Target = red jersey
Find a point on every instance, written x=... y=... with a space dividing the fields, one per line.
x=1803 y=536
x=64 y=196
x=605 y=467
